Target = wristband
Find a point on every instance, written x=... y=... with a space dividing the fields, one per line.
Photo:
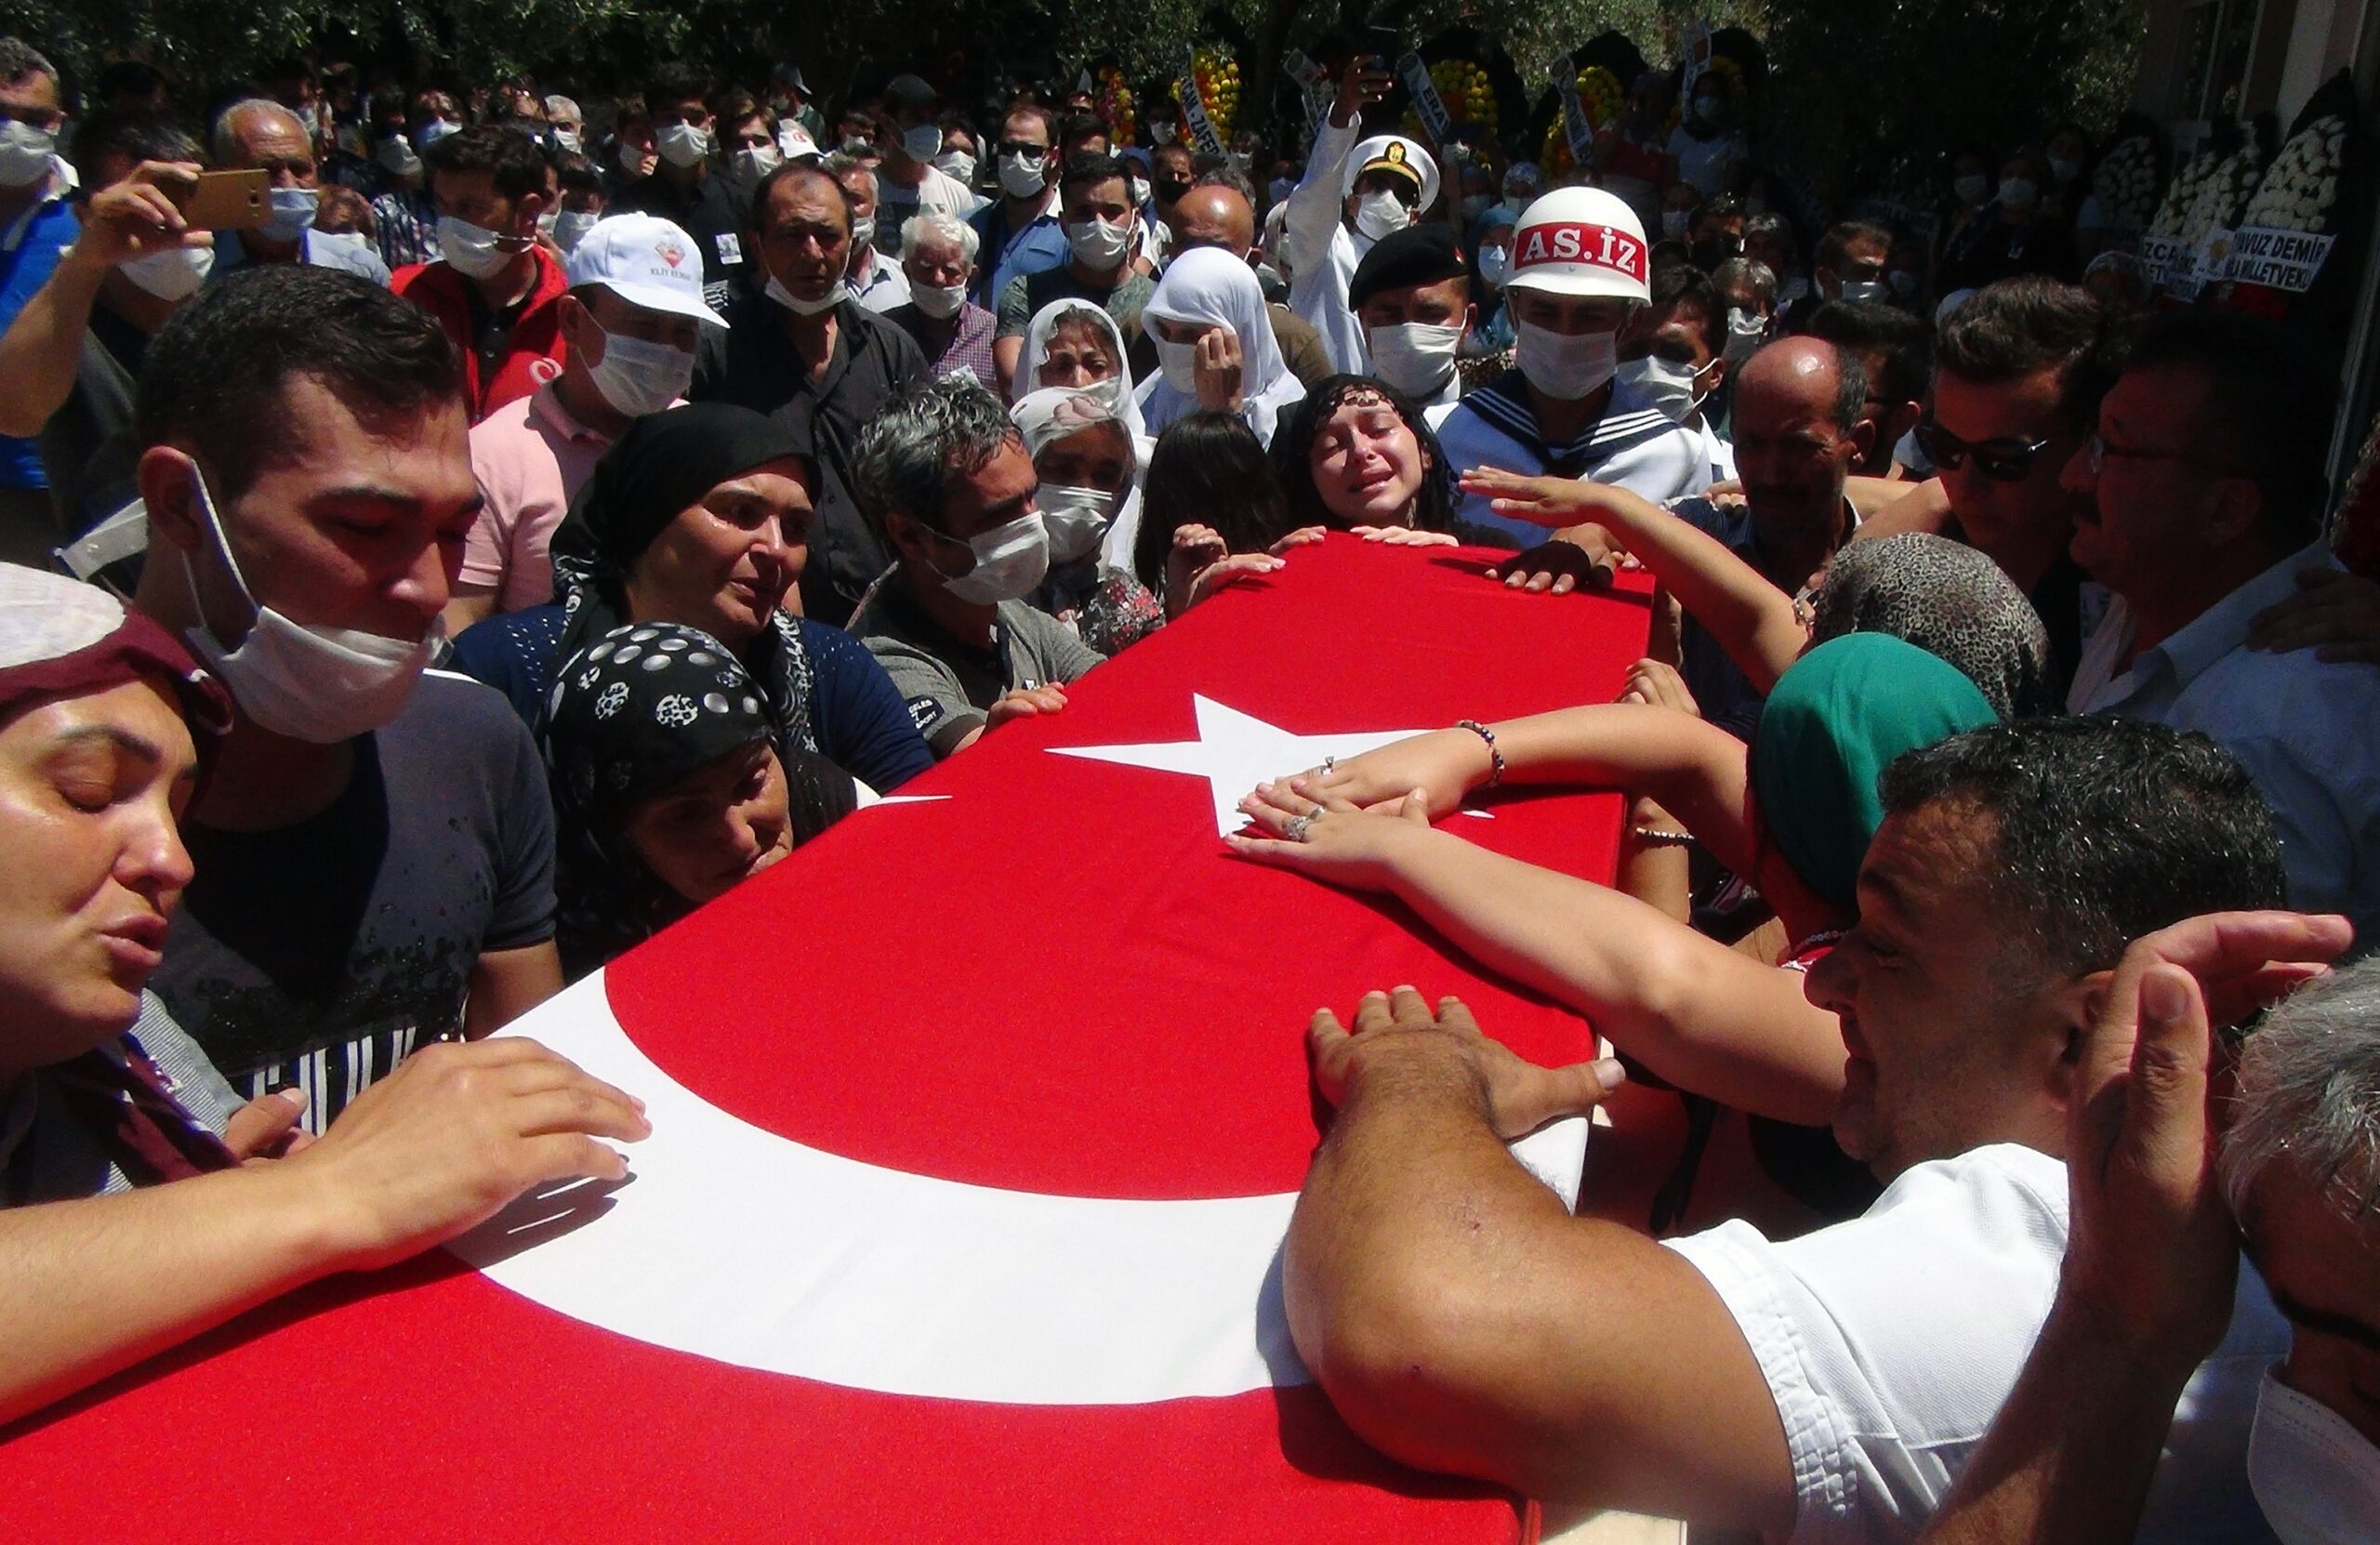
x=1495 y=757
x=1659 y=837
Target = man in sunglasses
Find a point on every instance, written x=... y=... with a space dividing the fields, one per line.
x=2203 y=492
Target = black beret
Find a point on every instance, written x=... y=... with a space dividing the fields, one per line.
x=1423 y=254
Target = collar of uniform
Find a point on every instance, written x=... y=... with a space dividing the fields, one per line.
x=1626 y=422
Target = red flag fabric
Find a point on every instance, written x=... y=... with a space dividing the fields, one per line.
x=976 y=1125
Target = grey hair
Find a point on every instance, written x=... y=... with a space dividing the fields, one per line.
x=841 y=162
x=226 y=144
x=1752 y=271
x=2309 y=1094
x=923 y=443
x=563 y=107
x=939 y=227
x=20 y=59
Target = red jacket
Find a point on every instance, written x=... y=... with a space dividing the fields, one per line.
x=533 y=354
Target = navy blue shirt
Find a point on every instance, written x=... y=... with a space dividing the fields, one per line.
x=863 y=727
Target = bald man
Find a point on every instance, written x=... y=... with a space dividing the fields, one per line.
x=1217 y=215
x=260 y=135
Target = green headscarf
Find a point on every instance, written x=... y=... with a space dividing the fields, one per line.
x=1834 y=722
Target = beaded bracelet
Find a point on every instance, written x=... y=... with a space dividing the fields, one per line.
x=1495 y=757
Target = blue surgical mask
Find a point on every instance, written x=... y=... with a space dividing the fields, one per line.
x=293 y=214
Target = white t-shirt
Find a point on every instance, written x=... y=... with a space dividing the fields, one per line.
x=1890 y=1341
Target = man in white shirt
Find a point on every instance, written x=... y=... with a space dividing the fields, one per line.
x=875 y=281
x=911 y=184
x=1352 y=195
x=2206 y=501
x=1579 y=277
x=1830 y=1387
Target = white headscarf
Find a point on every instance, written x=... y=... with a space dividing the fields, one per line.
x=1036 y=352
x=1205 y=285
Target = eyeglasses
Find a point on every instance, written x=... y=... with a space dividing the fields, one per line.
x=2001 y=460
x=2097 y=452
x=1023 y=146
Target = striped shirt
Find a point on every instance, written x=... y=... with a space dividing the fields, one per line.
x=1633 y=445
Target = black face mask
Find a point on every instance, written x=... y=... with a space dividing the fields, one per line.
x=1169 y=191
x=1712 y=251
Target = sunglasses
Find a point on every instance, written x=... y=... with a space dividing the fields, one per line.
x=1023 y=146
x=2001 y=460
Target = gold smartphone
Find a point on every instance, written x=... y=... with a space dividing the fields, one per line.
x=228 y=200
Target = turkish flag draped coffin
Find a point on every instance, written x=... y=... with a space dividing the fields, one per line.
x=977 y=1124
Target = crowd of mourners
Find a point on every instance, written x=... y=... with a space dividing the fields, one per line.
x=538 y=515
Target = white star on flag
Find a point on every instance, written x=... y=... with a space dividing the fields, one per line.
x=1237 y=751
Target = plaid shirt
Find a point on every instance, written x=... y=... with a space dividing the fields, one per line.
x=408 y=227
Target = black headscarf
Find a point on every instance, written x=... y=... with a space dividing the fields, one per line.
x=661 y=467
x=1293 y=453
x=628 y=717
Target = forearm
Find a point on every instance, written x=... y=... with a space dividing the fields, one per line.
x=1694 y=1013
x=1752 y=620
x=1316 y=202
x=2068 y=1460
x=1693 y=769
x=43 y=349
x=87 y=1287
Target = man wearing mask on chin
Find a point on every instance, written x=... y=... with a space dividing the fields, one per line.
x=908 y=183
x=630 y=324
x=1577 y=276
x=944 y=475
x=1412 y=294
x=1352 y=195
x=493 y=289
x=682 y=189
x=1018 y=231
x=1101 y=226
x=808 y=355
x=259 y=134
x=376 y=847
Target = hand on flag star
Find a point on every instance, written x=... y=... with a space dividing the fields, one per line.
x=1446 y=763
x=1397 y=1027
x=1334 y=842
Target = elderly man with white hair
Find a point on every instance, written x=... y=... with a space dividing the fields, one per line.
x=938 y=259
x=257 y=134
x=2161 y=1213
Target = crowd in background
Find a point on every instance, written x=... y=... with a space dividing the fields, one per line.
x=542 y=512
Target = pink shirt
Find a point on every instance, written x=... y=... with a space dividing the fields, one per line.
x=530 y=456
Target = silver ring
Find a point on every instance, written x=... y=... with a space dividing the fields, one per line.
x=1330 y=762
x=1299 y=826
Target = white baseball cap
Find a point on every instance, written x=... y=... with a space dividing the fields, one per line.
x=647 y=262
x=1581 y=241
x=1392 y=152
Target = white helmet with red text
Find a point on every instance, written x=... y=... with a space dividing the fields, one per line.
x=1581 y=241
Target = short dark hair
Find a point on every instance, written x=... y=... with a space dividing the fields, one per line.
x=127 y=77
x=1089 y=167
x=788 y=171
x=674 y=82
x=2102 y=829
x=1836 y=244
x=576 y=173
x=1904 y=343
x=1081 y=125
x=214 y=378
x=2011 y=329
x=1684 y=282
x=2266 y=410
x=920 y=445
x=1293 y=454
x=138 y=133
x=1208 y=468
x=512 y=160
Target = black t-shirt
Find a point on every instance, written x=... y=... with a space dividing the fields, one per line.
x=754 y=365
x=320 y=953
x=709 y=212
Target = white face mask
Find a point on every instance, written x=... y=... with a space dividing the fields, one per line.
x=1177 y=362
x=1971 y=187
x=633 y=161
x=863 y=238
x=938 y=302
x=25 y=153
x=1382 y=213
x=1137 y=191
x=798 y=307
x=473 y=251
x=1075 y=518
x=1495 y=265
x=1163 y=132
x=1746 y=332
x=1009 y=561
x=2019 y=192
x=1098 y=245
x=1673 y=223
x=293 y=214
x=1664 y=385
x=1860 y=289
x=566 y=139
x=1415 y=357
x=1021 y=176
x=682 y=145
x=637 y=378
x=923 y=143
x=396 y=155
x=570 y=228
x=435 y=130
x=958 y=164
x=1565 y=365
x=175 y=275
x=319 y=684
x=755 y=161
x=2314 y=1476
